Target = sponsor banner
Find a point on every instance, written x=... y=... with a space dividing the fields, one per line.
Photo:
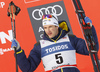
x=29 y=28
x=35 y=14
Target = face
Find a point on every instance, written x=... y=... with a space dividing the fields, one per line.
x=51 y=30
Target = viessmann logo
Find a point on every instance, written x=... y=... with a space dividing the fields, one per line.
x=3 y=38
x=2 y=4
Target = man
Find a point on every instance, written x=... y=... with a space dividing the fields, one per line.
x=56 y=50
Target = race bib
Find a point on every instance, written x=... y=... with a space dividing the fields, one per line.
x=57 y=54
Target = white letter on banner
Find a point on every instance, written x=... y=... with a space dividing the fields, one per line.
x=2 y=4
x=4 y=36
x=41 y=35
x=40 y=29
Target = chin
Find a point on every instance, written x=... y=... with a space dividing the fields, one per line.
x=51 y=36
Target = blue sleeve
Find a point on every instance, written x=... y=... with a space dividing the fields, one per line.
x=80 y=45
x=31 y=63
x=95 y=37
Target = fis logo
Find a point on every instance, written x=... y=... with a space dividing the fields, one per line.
x=2 y=4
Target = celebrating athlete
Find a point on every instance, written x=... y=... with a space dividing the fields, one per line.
x=57 y=48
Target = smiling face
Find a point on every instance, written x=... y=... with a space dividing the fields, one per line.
x=51 y=30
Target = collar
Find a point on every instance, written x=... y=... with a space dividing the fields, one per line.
x=61 y=34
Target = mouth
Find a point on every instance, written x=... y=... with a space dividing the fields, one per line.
x=49 y=34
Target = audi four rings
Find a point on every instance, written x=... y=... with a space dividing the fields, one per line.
x=53 y=10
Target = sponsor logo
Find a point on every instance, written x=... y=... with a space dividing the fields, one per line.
x=2 y=51
x=2 y=4
x=37 y=12
x=47 y=11
x=55 y=23
x=41 y=30
x=3 y=38
x=56 y=48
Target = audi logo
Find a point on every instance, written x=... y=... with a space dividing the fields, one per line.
x=47 y=11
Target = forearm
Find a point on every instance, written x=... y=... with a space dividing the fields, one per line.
x=26 y=64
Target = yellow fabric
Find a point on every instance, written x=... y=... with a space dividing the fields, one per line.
x=19 y=51
x=61 y=70
x=64 y=26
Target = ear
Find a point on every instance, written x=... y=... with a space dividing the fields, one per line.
x=63 y=25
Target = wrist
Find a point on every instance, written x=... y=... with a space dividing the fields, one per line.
x=19 y=51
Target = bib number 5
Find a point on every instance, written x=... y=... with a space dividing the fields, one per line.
x=59 y=58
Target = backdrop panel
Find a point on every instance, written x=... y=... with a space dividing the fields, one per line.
x=26 y=34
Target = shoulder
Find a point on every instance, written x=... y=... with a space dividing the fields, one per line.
x=37 y=44
x=71 y=35
x=36 y=47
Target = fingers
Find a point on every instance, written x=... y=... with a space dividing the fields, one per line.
x=15 y=44
x=88 y=21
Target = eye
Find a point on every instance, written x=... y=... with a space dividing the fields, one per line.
x=45 y=27
x=50 y=26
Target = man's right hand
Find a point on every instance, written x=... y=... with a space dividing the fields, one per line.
x=15 y=44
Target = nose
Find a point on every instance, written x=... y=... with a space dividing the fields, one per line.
x=48 y=30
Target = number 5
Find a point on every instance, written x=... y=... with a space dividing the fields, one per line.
x=59 y=58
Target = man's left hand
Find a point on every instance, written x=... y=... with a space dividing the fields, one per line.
x=88 y=21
